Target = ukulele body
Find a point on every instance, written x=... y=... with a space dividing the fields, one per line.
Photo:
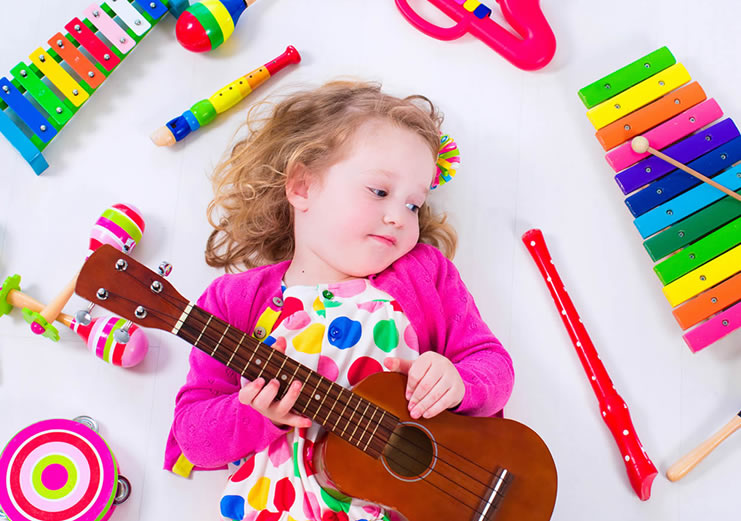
x=444 y=468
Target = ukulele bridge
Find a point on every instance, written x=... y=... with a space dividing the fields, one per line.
x=497 y=489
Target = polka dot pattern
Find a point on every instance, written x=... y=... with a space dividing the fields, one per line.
x=343 y=332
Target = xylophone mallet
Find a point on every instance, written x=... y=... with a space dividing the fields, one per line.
x=696 y=455
x=640 y=145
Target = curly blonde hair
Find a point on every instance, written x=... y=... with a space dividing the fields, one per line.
x=251 y=216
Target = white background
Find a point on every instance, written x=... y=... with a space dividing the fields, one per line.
x=530 y=160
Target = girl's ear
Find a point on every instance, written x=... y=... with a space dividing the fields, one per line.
x=297 y=187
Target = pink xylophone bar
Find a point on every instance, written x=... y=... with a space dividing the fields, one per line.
x=107 y=33
x=691 y=229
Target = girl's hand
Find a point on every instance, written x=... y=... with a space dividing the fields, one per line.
x=433 y=383
x=261 y=397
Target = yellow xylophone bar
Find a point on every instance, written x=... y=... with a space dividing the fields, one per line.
x=704 y=277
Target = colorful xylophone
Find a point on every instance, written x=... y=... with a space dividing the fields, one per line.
x=691 y=229
x=107 y=33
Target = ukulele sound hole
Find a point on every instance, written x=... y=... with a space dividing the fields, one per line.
x=409 y=452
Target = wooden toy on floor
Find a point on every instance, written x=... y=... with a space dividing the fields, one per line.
x=691 y=228
x=124 y=23
x=205 y=111
x=641 y=471
x=60 y=470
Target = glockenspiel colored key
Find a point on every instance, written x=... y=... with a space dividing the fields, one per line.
x=687 y=203
x=714 y=329
x=699 y=252
x=677 y=182
x=626 y=77
x=709 y=303
x=57 y=110
x=72 y=56
x=693 y=227
x=636 y=123
x=667 y=133
x=108 y=28
x=59 y=77
x=20 y=142
x=704 y=277
x=638 y=96
x=26 y=111
x=128 y=14
x=92 y=44
x=153 y=8
x=685 y=151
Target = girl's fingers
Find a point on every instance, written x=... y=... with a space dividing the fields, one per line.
x=266 y=396
x=283 y=407
x=426 y=384
x=417 y=409
x=439 y=406
x=417 y=372
x=249 y=391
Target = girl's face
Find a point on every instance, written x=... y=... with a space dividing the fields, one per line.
x=360 y=214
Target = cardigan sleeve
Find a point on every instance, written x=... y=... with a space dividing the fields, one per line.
x=465 y=339
x=211 y=427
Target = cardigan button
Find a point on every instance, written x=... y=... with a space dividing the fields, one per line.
x=278 y=301
x=260 y=332
x=327 y=294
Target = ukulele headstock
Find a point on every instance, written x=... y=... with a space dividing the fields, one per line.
x=113 y=280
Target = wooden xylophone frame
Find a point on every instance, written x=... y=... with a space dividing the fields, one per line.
x=691 y=229
x=91 y=49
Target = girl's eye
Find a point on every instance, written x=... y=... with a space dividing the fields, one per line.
x=378 y=192
x=413 y=207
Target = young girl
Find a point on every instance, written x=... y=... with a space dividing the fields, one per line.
x=324 y=203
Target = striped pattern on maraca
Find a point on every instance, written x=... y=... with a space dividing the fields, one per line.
x=57 y=470
x=99 y=336
x=121 y=226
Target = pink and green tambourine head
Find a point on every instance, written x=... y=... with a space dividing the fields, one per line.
x=448 y=161
x=58 y=470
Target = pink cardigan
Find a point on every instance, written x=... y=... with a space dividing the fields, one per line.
x=211 y=427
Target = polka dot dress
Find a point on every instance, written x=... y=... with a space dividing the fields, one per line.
x=343 y=331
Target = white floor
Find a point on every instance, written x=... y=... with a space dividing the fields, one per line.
x=530 y=160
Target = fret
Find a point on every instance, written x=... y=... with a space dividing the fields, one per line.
x=370 y=438
x=334 y=401
x=203 y=331
x=244 y=334
x=252 y=355
x=342 y=434
x=320 y=406
x=367 y=404
x=234 y=352
x=318 y=381
x=270 y=355
x=220 y=339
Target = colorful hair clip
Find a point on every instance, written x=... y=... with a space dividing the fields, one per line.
x=448 y=154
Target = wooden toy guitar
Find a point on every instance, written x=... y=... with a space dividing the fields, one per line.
x=442 y=468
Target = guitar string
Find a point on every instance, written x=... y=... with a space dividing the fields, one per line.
x=367 y=420
x=175 y=302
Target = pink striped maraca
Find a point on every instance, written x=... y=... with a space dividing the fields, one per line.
x=103 y=336
x=122 y=227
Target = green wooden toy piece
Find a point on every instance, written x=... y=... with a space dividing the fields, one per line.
x=57 y=109
x=625 y=77
x=693 y=227
x=707 y=248
x=10 y=283
x=50 y=331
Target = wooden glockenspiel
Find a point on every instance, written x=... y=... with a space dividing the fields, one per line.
x=690 y=229
x=39 y=97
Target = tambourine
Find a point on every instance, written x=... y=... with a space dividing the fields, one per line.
x=60 y=470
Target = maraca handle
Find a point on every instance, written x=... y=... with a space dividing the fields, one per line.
x=641 y=471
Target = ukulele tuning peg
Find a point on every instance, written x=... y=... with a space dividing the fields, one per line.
x=122 y=335
x=83 y=316
x=165 y=268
